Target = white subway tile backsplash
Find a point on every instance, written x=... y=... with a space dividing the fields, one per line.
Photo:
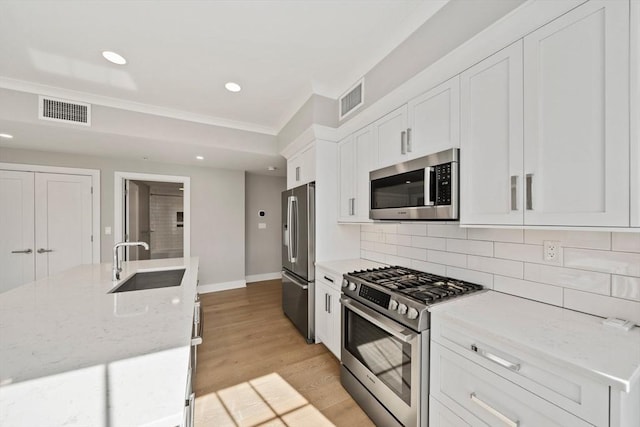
x=484 y=279
x=413 y=229
x=396 y=260
x=453 y=231
x=601 y=305
x=595 y=267
x=447 y=258
x=518 y=252
x=626 y=242
x=496 y=234
x=429 y=267
x=532 y=290
x=497 y=266
x=570 y=239
x=429 y=242
x=404 y=240
x=471 y=247
x=625 y=287
x=583 y=280
x=413 y=253
x=624 y=263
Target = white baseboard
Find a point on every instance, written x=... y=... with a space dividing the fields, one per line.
x=261 y=277
x=222 y=286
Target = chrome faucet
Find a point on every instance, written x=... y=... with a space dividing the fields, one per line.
x=116 y=262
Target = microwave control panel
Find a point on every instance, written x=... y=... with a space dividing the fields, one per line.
x=443 y=184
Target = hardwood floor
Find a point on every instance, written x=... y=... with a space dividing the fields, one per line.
x=254 y=367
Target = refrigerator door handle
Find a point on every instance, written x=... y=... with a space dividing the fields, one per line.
x=295 y=281
x=293 y=230
x=287 y=230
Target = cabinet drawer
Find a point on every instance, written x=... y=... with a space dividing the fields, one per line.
x=475 y=393
x=332 y=280
x=441 y=416
x=572 y=392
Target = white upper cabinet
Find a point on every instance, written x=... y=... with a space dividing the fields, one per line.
x=390 y=137
x=491 y=140
x=635 y=113
x=357 y=157
x=301 y=168
x=434 y=120
x=545 y=125
x=576 y=109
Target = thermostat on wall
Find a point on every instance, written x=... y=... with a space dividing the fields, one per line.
x=261 y=213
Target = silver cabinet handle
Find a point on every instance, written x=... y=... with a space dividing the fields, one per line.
x=409 y=148
x=352 y=206
x=329 y=279
x=25 y=251
x=326 y=303
x=42 y=250
x=297 y=173
x=529 y=180
x=506 y=420
x=329 y=303
x=499 y=360
x=514 y=192
x=403 y=142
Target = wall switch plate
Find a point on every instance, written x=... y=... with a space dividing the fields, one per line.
x=551 y=251
x=262 y=225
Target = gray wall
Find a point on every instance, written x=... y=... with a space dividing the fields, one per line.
x=318 y=110
x=217 y=206
x=263 y=245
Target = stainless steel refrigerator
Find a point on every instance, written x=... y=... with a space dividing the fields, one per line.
x=298 y=258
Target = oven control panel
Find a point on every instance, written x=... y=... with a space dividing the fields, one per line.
x=375 y=296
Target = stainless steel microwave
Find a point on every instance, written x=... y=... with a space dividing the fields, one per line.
x=422 y=189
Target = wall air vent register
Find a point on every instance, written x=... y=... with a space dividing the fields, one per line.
x=61 y=110
x=352 y=100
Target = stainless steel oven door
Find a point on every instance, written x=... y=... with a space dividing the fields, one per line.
x=385 y=357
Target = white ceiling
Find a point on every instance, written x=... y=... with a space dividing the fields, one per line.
x=181 y=53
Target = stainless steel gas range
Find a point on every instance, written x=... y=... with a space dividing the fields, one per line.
x=385 y=340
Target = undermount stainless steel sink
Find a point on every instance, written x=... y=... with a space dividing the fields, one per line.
x=151 y=280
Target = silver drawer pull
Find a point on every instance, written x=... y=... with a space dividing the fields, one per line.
x=499 y=360
x=506 y=420
x=25 y=251
x=44 y=251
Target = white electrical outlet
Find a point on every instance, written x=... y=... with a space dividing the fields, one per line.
x=551 y=251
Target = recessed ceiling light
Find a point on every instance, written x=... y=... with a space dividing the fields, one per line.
x=6 y=136
x=233 y=87
x=114 y=57
x=199 y=157
x=272 y=168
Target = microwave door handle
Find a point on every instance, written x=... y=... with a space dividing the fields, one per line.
x=428 y=199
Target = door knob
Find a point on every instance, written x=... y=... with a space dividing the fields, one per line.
x=42 y=250
x=26 y=251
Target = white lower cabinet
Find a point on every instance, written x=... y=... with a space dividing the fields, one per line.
x=327 y=307
x=441 y=416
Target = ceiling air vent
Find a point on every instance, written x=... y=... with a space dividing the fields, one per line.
x=60 y=110
x=353 y=99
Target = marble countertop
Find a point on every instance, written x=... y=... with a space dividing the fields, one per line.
x=74 y=354
x=347 y=265
x=564 y=337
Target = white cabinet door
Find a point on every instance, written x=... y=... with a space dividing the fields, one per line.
x=333 y=342
x=321 y=315
x=366 y=161
x=635 y=113
x=63 y=217
x=293 y=171
x=301 y=168
x=434 y=120
x=491 y=140
x=347 y=179
x=17 y=249
x=389 y=135
x=576 y=92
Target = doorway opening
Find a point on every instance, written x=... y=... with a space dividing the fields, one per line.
x=152 y=209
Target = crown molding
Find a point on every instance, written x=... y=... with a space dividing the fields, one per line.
x=40 y=89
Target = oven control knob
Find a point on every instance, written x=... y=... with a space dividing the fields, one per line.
x=393 y=304
x=402 y=309
x=412 y=313
x=352 y=286
x=345 y=283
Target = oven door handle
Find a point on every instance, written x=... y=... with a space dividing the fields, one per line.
x=379 y=320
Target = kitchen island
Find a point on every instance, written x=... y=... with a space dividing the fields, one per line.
x=71 y=353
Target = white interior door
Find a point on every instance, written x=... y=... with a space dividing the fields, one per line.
x=63 y=218
x=17 y=250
